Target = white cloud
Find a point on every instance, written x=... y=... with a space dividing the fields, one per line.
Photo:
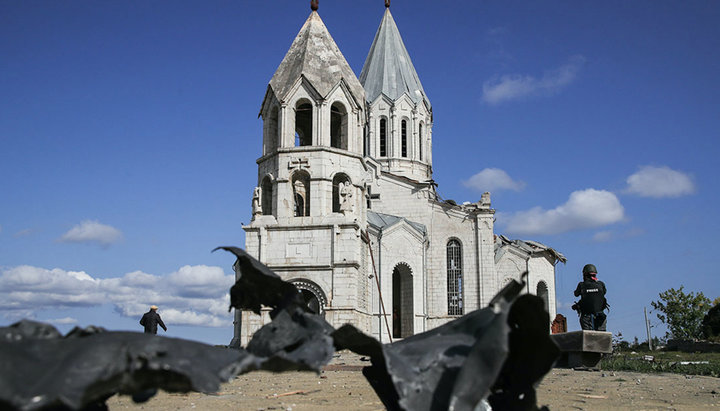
x=516 y=86
x=139 y=279
x=193 y=295
x=27 y=278
x=493 y=179
x=659 y=182
x=197 y=281
x=90 y=231
x=194 y=318
x=588 y=208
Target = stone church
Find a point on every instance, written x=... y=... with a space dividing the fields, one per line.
x=346 y=207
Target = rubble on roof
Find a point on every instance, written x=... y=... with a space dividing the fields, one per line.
x=528 y=247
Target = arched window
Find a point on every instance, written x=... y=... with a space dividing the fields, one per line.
x=271 y=138
x=542 y=292
x=454 y=277
x=338 y=126
x=420 y=141
x=267 y=195
x=383 y=137
x=337 y=199
x=403 y=135
x=303 y=123
x=301 y=194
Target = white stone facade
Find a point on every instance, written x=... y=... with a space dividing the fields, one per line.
x=345 y=206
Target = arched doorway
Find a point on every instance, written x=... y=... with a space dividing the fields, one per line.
x=312 y=294
x=403 y=316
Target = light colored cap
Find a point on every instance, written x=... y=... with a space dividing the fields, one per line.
x=153 y=307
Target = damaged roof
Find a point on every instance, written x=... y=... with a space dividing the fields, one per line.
x=382 y=221
x=315 y=56
x=527 y=246
x=388 y=69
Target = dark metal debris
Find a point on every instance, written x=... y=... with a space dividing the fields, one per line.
x=449 y=367
x=296 y=338
x=293 y=341
x=40 y=369
x=532 y=355
x=259 y=286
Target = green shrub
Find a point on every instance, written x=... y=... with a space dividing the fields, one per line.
x=711 y=324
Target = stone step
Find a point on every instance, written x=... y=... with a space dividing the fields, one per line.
x=582 y=349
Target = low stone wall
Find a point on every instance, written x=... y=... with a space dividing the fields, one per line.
x=582 y=349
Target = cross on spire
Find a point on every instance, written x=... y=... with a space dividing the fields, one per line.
x=314 y=5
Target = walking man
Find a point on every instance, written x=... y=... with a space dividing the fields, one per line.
x=151 y=319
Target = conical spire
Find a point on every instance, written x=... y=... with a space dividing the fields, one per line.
x=388 y=69
x=314 y=55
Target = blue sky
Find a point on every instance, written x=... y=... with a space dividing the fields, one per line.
x=129 y=134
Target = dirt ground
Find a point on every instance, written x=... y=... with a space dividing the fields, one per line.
x=342 y=386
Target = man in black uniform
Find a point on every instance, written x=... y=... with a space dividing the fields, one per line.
x=592 y=300
x=151 y=319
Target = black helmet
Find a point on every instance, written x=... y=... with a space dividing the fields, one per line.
x=589 y=268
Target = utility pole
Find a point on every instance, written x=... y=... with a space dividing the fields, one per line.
x=647 y=327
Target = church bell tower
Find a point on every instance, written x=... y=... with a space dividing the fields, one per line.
x=309 y=206
x=400 y=114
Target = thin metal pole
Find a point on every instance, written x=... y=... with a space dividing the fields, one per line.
x=647 y=328
x=377 y=281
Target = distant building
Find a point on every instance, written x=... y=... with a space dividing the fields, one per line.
x=346 y=205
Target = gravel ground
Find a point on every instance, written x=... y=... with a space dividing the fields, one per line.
x=342 y=386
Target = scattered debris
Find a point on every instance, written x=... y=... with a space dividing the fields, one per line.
x=285 y=394
x=595 y=397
